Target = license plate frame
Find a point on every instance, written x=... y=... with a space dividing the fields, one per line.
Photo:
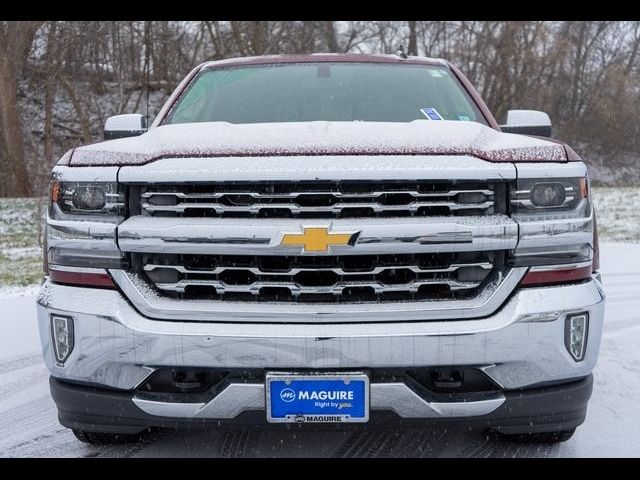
x=305 y=409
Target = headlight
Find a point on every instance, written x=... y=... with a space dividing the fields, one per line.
x=99 y=199
x=535 y=199
x=86 y=206
x=555 y=219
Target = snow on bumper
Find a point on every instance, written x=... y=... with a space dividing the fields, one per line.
x=520 y=345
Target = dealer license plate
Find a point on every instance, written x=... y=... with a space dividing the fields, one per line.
x=321 y=398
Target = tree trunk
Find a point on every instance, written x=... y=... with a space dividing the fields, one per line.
x=18 y=184
x=83 y=118
x=330 y=36
x=49 y=93
x=16 y=39
x=412 y=49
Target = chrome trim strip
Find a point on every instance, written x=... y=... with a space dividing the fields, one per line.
x=397 y=397
x=86 y=238
x=296 y=289
x=152 y=305
x=406 y=403
x=565 y=266
x=64 y=268
x=550 y=233
x=81 y=230
x=335 y=193
x=296 y=209
x=264 y=236
x=229 y=403
x=337 y=270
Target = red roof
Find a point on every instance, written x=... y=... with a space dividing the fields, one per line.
x=323 y=57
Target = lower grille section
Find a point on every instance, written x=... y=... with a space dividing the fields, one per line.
x=333 y=279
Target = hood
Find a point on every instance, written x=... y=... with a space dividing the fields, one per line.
x=221 y=139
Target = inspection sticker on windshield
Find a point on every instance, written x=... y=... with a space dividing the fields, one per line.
x=431 y=113
x=320 y=398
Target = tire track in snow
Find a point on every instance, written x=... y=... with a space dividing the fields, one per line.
x=491 y=446
x=239 y=443
x=30 y=428
x=20 y=362
x=125 y=450
x=417 y=442
x=26 y=380
x=364 y=443
x=397 y=443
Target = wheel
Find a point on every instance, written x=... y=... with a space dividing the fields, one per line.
x=542 y=437
x=100 y=438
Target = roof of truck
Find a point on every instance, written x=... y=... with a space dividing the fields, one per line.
x=323 y=57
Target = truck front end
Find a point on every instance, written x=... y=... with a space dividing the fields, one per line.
x=314 y=288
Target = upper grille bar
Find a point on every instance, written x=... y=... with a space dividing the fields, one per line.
x=336 y=194
x=321 y=199
x=296 y=209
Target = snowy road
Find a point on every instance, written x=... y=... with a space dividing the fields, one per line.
x=28 y=424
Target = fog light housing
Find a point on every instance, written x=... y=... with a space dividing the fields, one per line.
x=62 y=333
x=576 y=327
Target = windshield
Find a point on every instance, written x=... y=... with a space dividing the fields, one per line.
x=304 y=92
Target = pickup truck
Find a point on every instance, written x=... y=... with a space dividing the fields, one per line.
x=322 y=239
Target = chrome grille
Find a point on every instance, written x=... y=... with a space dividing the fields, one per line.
x=320 y=199
x=354 y=278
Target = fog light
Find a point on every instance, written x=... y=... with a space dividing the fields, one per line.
x=62 y=332
x=576 y=327
x=547 y=194
x=89 y=198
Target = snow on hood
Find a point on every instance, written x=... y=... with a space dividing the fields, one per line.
x=419 y=137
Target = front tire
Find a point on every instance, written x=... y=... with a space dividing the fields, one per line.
x=100 y=438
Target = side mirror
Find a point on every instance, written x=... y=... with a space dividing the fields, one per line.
x=527 y=122
x=128 y=125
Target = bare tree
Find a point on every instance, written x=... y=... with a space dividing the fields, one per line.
x=16 y=39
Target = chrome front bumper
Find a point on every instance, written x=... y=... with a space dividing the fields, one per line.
x=520 y=345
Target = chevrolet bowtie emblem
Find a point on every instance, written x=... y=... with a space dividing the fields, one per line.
x=316 y=239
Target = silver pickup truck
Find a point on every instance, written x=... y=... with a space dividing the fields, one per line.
x=312 y=239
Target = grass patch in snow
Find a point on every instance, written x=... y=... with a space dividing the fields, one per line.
x=20 y=248
x=23 y=271
x=618 y=211
x=19 y=222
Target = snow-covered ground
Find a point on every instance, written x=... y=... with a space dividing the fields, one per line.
x=28 y=424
